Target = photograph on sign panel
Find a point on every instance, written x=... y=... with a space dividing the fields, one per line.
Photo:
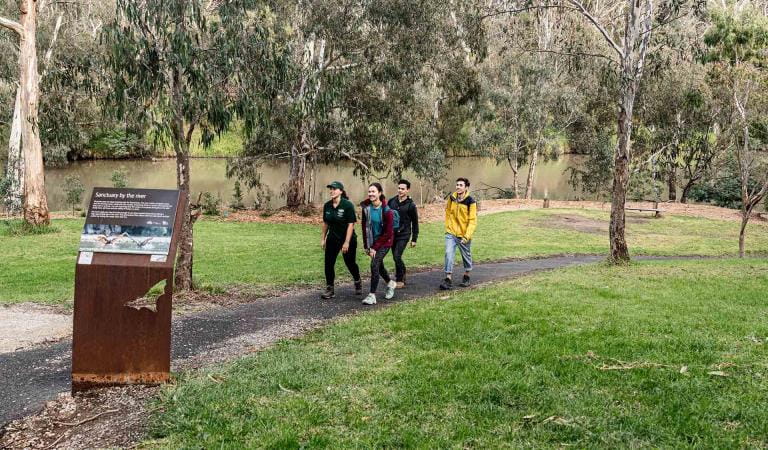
x=125 y=239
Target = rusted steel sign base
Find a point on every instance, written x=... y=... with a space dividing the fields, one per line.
x=122 y=328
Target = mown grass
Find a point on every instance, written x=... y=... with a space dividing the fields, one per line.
x=657 y=354
x=266 y=256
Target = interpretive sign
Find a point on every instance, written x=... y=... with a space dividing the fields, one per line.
x=124 y=271
x=130 y=221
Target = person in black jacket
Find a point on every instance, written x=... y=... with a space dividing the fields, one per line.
x=408 y=230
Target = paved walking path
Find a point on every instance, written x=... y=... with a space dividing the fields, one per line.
x=29 y=378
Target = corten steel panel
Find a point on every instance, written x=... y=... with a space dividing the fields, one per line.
x=113 y=343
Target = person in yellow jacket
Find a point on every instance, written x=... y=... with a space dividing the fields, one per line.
x=460 y=225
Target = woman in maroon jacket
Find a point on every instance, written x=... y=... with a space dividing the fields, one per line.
x=378 y=236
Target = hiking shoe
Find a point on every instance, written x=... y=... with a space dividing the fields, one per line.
x=465 y=281
x=446 y=285
x=370 y=299
x=359 y=287
x=390 y=289
x=328 y=293
x=400 y=284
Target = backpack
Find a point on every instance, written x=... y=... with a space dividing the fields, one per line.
x=395 y=218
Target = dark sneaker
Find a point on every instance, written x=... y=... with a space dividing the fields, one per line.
x=328 y=293
x=446 y=285
x=359 y=287
x=465 y=281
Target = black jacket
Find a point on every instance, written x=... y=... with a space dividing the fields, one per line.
x=409 y=218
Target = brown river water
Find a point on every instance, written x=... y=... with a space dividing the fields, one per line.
x=208 y=174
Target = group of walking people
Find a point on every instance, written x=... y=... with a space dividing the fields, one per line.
x=390 y=225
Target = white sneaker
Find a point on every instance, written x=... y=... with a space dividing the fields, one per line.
x=390 y=289
x=370 y=299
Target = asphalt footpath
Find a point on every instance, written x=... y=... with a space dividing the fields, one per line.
x=29 y=378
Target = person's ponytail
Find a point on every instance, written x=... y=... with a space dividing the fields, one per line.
x=344 y=194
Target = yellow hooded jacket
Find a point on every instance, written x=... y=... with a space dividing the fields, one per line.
x=461 y=216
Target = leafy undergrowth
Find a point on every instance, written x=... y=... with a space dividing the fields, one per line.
x=655 y=354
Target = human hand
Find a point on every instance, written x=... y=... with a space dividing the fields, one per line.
x=322 y=243
x=345 y=247
x=413 y=244
x=372 y=253
x=464 y=241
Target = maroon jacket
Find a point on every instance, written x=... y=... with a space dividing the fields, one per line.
x=387 y=237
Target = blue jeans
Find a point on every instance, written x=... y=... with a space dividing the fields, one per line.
x=451 y=242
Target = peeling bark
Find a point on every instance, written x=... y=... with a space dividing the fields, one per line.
x=35 y=200
x=15 y=169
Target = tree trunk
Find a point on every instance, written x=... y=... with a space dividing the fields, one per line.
x=743 y=231
x=294 y=196
x=513 y=165
x=15 y=170
x=637 y=34
x=686 y=191
x=532 y=172
x=672 y=183
x=183 y=279
x=619 y=250
x=35 y=200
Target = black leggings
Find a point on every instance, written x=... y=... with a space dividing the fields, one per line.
x=332 y=249
x=378 y=269
x=397 y=254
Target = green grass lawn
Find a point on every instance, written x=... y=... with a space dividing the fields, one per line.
x=657 y=354
x=41 y=268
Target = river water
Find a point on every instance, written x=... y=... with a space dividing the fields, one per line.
x=210 y=175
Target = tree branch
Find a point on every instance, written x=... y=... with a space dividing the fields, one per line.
x=12 y=25
x=597 y=25
x=556 y=52
x=527 y=8
x=353 y=159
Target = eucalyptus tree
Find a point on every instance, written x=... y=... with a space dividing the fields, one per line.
x=627 y=44
x=35 y=207
x=737 y=59
x=177 y=63
x=353 y=89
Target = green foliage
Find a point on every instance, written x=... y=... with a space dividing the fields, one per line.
x=116 y=144
x=595 y=174
x=74 y=189
x=210 y=204
x=119 y=178
x=737 y=38
x=356 y=88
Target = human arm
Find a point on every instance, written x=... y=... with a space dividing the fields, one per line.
x=350 y=230
x=472 y=223
x=325 y=233
x=414 y=213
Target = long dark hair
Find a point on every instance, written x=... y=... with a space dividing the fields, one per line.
x=344 y=194
x=381 y=191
